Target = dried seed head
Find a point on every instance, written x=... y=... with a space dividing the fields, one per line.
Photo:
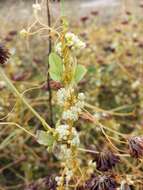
x=4 y=54
x=136 y=146
x=106 y=161
x=101 y=183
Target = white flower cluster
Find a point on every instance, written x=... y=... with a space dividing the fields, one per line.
x=69 y=174
x=135 y=84
x=63 y=95
x=59 y=180
x=75 y=110
x=75 y=141
x=63 y=132
x=58 y=48
x=72 y=41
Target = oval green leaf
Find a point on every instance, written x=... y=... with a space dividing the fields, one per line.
x=56 y=67
x=45 y=138
x=79 y=73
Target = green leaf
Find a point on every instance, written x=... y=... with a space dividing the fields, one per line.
x=79 y=73
x=45 y=138
x=56 y=67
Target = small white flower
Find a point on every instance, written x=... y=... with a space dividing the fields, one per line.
x=81 y=96
x=80 y=104
x=69 y=114
x=75 y=140
x=80 y=45
x=61 y=96
x=63 y=131
x=69 y=174
x=59 y=180
x=36 y=7
x=70 y=37
x=73 y=41
x=136 y=84
x=75 y=110
x=58 y=48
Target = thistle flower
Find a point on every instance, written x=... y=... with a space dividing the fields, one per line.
x=136 y=146
x=101 y=183
x=4 y=54
x=106 y=161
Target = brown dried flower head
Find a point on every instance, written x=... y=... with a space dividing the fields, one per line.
x=136 y=146
x=106 y=161
x=4 y=54
x=45 y=183
x=101 y=183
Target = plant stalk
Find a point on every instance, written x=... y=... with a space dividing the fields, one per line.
x=20 y=96
x=48 y=76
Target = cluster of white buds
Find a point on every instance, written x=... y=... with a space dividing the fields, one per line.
x=135 y=84
x=63 y=94
x=59 y=180
x=63 y=132
x=72 y=41
x=58 y=48
x=36 y=7
x=69 y=174
x=73 y=112
x=75 y=141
